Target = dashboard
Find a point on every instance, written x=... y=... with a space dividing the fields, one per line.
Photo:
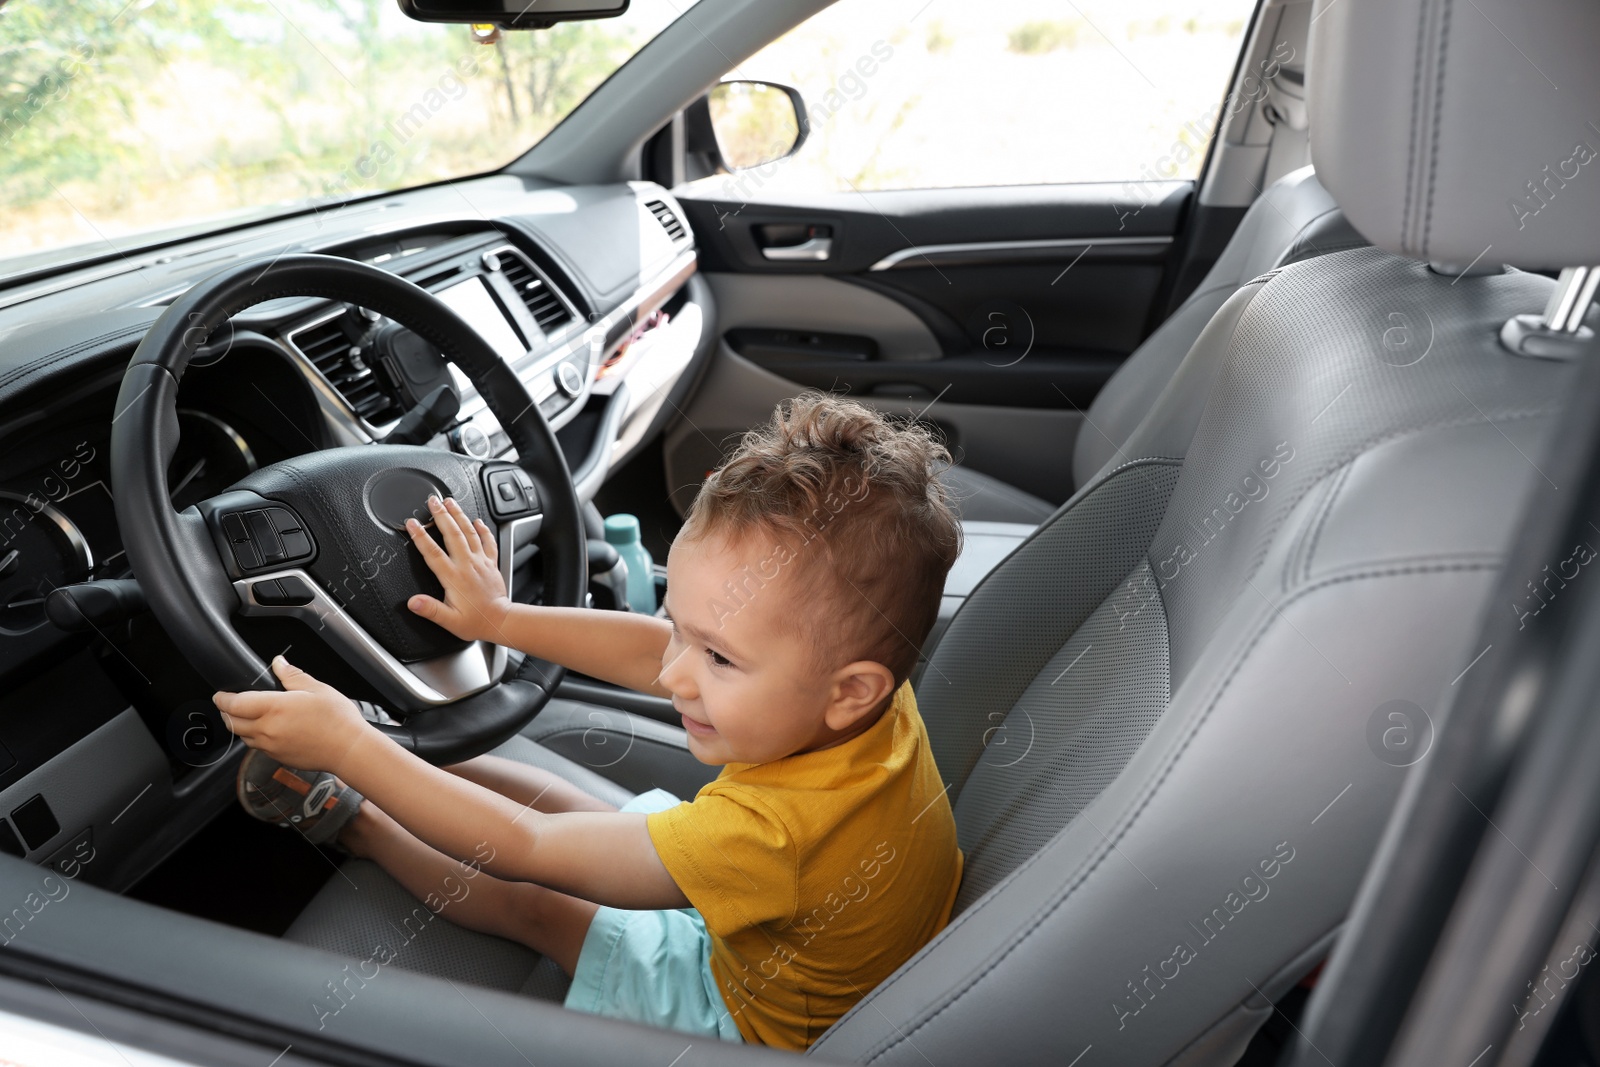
x=588 y=294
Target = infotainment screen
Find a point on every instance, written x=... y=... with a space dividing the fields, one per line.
x=471 y=300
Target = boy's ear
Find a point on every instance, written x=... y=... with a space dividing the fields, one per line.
x=858 y=689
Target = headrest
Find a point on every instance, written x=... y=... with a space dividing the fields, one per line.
x=1459 y=130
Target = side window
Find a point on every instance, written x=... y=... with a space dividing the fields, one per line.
x=917 y=94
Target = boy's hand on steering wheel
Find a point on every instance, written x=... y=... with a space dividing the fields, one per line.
x=310 y=725
x=475 y=599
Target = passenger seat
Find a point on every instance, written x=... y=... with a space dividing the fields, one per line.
x=1294 y=219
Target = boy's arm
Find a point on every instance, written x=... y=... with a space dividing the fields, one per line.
x=606 y=857
x=620 y=647
x=615 y=646
x=603 y=856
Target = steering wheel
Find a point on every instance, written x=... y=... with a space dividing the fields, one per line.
x=322 y=537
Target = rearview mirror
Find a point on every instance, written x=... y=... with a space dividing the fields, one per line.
x=756 y=123
x=512 y=14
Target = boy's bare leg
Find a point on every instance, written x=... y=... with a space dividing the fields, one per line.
x=525 y=784
x=551 y=923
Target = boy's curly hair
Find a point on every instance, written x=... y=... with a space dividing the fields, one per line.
x=852 y=506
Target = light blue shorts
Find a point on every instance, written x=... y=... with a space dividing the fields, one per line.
x=651 y=966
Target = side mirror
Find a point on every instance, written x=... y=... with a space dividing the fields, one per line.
x=749 y=123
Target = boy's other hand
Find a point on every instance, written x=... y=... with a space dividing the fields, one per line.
x=310 y=726
x=475 y=599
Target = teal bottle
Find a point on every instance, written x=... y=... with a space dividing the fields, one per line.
x=622 y=531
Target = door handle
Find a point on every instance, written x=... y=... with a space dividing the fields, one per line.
x=813 y=250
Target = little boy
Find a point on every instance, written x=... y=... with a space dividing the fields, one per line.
x=824 y=854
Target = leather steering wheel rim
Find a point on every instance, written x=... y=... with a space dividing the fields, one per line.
x=173 y=554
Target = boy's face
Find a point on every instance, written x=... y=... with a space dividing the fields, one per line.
x=745 y=682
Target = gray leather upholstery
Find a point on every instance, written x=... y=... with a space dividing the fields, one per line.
x=1464 y=128
x=985 y=498
x=1183 y=665
x=1292 y=220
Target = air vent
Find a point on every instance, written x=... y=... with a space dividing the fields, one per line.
x=331 y=350
x=544 y=305
x=668 y=220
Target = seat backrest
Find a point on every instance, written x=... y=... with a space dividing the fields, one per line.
x=1292 y=220
x=1157 y=716
x=1176 y=719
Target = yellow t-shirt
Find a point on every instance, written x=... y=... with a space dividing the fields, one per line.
x=817 y=874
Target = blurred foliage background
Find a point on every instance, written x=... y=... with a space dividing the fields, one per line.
x=117 y=117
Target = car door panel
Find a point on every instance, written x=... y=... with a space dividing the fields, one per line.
x=1031 y=446
x=1071 y=271
x=875 y=225
x=979 y=309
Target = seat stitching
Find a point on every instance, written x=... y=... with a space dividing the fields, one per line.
x=1196 y=295
x=1411 y=148
x=1297 y=549
x=1288 y=254
x=1488 y=559
x=1108 y=843
x=1075 y=501
x=1233 y=332
x=1322 y=519
x=1368 y=444
x=1438 y=123
x=1349 y=244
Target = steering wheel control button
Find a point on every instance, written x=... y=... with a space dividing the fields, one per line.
x=288 y=592
x=511 y=491
x=234 y=527
x=505 y=493
x=35 y=821
x=296 y=542
x=525 y=480
x=269 y=593
x=264 y=537
x=295 y=590
x=238 y=534
x=393 y=496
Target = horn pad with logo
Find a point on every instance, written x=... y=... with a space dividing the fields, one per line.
x=364 y=557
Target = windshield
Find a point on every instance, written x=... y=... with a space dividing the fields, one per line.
x=124 y=122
